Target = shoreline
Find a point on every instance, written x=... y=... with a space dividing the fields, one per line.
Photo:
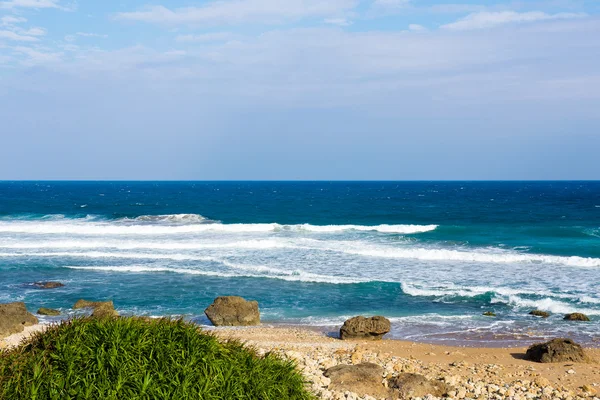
x=471 y=370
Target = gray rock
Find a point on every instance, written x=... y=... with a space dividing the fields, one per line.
x=408 y=386
x=363 y=379
x=365 y=328
x=48 y=285
x=233 y=311
x=100 y=309
x=576 y=317
x=556 y=350
x=14 y=317
x=48 y=311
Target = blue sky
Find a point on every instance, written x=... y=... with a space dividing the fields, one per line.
x=299 y=89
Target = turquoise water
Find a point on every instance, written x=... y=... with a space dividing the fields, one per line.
x=431 y=256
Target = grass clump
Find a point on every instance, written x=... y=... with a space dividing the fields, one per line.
x=135 y=358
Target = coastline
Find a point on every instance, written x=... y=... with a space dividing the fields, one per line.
x=473 y=371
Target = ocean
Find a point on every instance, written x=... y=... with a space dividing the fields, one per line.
x=430 y=256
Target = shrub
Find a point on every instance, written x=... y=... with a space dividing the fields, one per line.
x=136 y=358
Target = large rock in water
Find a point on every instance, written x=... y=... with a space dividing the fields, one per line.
x=365 y=328
x=556 y=350
x=48 y=311
x=100 y=309
x=48 y=285
x=363 y=379
x=14 y=317
x=408 y=386
x=576 y=317
x=233 y=311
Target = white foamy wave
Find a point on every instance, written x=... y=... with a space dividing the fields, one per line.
x=257 y=244
x=452 y=290
x=480 y=256
x=168 y=218
x=181 y=224
x=295 y=276
x=547 y=304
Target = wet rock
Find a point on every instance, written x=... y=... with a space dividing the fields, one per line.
x=408 y=386
x=14 y=317
x=48 y=285
x=101 y=309
x=363 y=379
x=365 y=328
x=489 y=314
x=556 y=350
x=48 y=311
x=233 y=311
x=539 y=313
x=576 y=317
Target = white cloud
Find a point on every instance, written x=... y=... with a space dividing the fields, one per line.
x=484 y=20
x=37 y=31
x=70 y=38
x=238 y=11
x=87 y=34
x=30 y=4
x=338 y=21
x=205 y=37
x=37 y=56
x=9 y=20
x=391 y=3
x=416 y=28
x=10 y=35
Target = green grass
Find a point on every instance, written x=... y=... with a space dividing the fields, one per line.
x=134 y=358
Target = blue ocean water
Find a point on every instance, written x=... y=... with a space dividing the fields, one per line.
x=431 y=256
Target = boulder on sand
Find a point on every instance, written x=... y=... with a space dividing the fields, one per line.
x=363 y=379
x=48 y=311
x=365 y=328
x=576 y=317
x=556 y=350
x=14 y=317
x=233 y=311
x=101 y=309
x=409 y=386
x=48 y=285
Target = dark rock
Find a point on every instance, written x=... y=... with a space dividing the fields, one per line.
x=489 y=314
x=14 y=317
x=365 y=328
x=233 y=311
x=540 y=313
x=556 y=350
x=362 y=379
x=576 y=317
x=48 y=285
x=48 y=311
x=101 y=309
x=408 y=386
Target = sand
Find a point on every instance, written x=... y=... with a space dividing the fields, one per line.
x=482 y=373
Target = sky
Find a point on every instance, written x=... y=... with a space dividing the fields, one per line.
x=300 y=89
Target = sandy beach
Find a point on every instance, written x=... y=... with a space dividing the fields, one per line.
x=474 y=373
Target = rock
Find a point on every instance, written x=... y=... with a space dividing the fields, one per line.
x=365 y=328
x=101 y=309
x=556 y=350
x=233 y=311
x=489 y=314
x=589 y=389
x=48 y=311
x=409 y=386
x=105 y=310
x=540 y=313
x=364 y=379
x=48 y=285
x=576 y=317
x=14 y=317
